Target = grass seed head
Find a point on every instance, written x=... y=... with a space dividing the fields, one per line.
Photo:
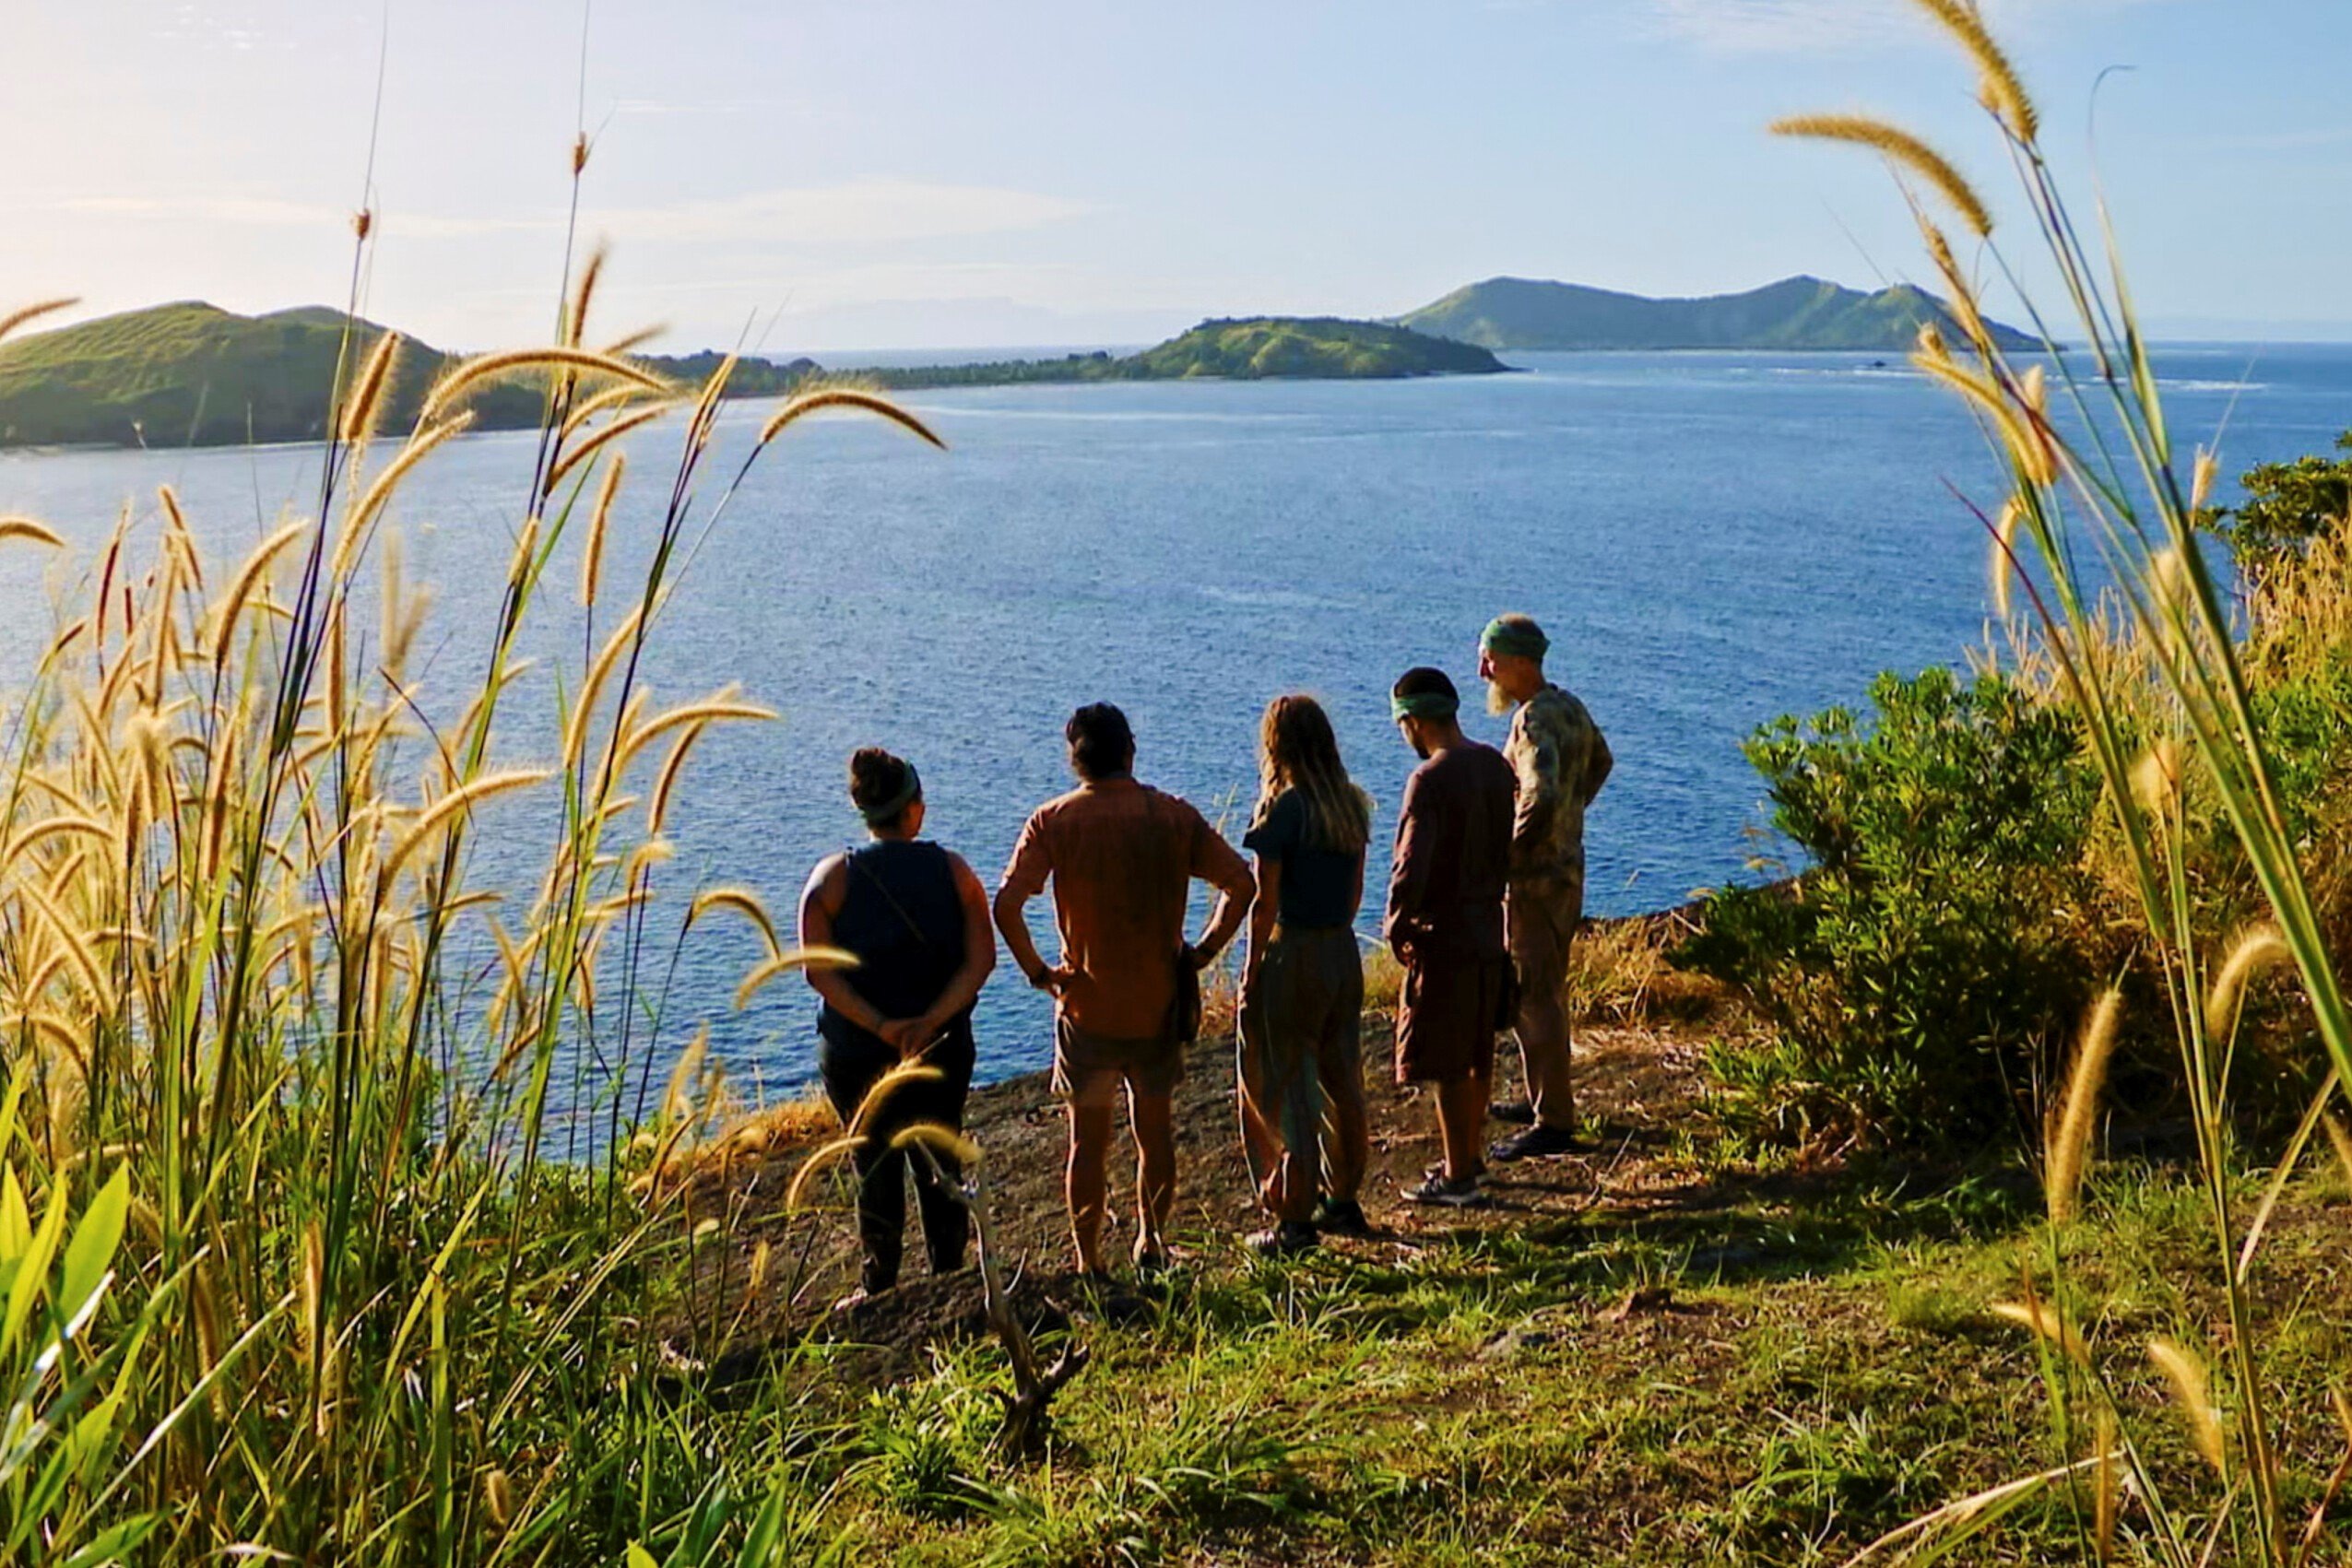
x=1901 y=148
x=1999 y=87
x=2193 y=1395
x=2067 y=1150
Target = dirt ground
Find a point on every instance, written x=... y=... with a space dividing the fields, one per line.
x=1634 y=1086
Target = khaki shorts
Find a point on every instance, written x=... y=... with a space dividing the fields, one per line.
x=1541 y=920
x=1089 y=1069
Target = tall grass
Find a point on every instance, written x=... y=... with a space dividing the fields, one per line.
x=336 y=1297
x=2100 y=533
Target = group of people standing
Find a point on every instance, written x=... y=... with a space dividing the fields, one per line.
x=1484 y=897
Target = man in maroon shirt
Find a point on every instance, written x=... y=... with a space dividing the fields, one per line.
x=1121 y=857
x=1445 y=923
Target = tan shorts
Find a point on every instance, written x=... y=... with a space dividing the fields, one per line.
x=1540 y=920
x=1089 y=1069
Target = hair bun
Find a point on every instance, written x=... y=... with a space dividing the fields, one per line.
x=875 y=777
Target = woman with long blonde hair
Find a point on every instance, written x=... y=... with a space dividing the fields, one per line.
x=1300 y=1059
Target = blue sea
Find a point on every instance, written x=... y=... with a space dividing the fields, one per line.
x=1712 y=539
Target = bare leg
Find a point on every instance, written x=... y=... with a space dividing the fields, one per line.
x=1090 y=1145
x=1461 y=1113
x=1152 y=1117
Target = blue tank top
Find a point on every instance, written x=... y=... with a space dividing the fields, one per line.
x=903 y=916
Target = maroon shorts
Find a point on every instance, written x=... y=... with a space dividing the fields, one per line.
x=1447 y=1017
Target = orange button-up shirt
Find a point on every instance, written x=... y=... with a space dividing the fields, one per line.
x=1121 y=857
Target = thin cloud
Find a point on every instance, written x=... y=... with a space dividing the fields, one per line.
x=863 y=212
x=1792 y=27
x=869 y=211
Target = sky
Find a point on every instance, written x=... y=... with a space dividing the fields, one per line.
x=822 y=175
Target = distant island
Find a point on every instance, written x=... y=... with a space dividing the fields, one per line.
x=192 y=374
x=1794 y=313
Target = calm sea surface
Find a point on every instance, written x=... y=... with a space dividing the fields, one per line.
x=1712 y=539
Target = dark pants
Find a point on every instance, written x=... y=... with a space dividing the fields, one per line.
x=849 y=1071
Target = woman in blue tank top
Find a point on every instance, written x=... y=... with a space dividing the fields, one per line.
x=917 y=919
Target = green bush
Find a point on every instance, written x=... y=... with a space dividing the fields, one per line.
x=2288 y=506
x=1921 y=969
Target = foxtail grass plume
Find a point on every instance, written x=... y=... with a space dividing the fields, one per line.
x=665 y=781
x=818 y=1159
x=1901 y=148
x=636 y=339
x=809 y=403
x=25 y=528
x=2155 y=778
x=576 y=320
x=2258 y=950
x=367 y=392
x=678 y=1099
x=722 y=706
x=584 y=705
x=2339 y=1137
x=611 y=432
x=785 y=962
x=2022 y=432
x=2004 y=554
x=886 y=1087
x=498 y=1497
x=464 y=798
x=599 y=518
x=2068 y=1145
x=2045 y=1323
x=16 y=318
x=378 y=495
x=2200 y=478
x=2193 y=1395
x=474 y=372
x=1998 y=88
x=943 y=1141
x=743 y=901
x=2105 y=1489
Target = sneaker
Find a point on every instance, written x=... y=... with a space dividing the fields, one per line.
x=1341 y=1216
x=1537 y=1142
x=1288 y=1236
x=1519 y=1112
x=1437 y=1173
x=1463 y=1193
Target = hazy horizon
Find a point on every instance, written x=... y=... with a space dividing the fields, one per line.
x=909 y=173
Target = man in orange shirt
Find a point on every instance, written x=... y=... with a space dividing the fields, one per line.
x=1121 y=857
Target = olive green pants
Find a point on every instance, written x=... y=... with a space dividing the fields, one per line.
x=1300 y=1063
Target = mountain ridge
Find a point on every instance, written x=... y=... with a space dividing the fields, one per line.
x=1799 y=312
x=190 y=374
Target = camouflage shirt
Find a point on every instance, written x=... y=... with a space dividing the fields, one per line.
x=1561 y=760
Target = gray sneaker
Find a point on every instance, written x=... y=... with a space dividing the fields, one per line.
x=1464 y=1193
x=1537 y=1142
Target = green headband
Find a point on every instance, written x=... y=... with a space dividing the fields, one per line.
x=877 y=815
x=1424 y=705
x=1513 y=639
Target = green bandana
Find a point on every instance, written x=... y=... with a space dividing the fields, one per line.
x=1513 y=641
x=876 y=815
x=1424 y=705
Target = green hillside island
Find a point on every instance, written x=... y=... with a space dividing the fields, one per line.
x=1794 y=313
x=192 y=374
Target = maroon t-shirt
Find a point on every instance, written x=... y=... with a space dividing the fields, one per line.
x=1453 y=857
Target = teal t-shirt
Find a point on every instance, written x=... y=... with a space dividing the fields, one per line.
x=1319 y=885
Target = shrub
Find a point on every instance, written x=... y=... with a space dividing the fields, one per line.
x=1921 y=967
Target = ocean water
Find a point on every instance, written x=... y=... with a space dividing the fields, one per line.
x=1711 y=540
